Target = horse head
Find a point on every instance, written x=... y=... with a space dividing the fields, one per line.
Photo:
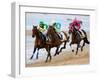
x=34 y=31
x=51 y=30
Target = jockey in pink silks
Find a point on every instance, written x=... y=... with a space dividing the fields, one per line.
x=77 y=25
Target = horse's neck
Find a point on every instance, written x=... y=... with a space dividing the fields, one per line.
x=73 y=35
x=54 y=37
x=38 y=36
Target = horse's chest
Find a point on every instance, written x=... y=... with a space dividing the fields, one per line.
x=38 y=42
x=76 y=39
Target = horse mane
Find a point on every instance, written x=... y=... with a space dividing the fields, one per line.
x=52 y=34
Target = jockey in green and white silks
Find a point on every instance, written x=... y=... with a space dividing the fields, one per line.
x=42 y=27
x=56 y=25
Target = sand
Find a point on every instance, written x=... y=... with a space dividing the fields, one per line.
x=65 y=58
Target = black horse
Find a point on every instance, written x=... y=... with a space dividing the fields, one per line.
x=76 y=39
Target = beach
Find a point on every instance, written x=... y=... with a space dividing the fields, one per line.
x=64 y=58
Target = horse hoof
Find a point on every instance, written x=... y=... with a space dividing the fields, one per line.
x=46 y=61
x=31 y=57
x=81 y=50
x=36 y=57
x=54 y=54
x=72 y=50
x=57 y=53
x=76 y=54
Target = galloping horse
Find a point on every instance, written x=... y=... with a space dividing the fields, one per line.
x=41 y=42
x=56 y=40
x=76 y=39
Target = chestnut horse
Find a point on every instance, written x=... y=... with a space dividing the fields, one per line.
x=56 y=40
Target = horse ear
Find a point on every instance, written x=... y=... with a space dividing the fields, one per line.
x=34 y=26
x=50 y=26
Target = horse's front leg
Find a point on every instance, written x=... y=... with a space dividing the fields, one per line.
x=33 y=53
x=37 y=53
x=56 y=51
x=70 y=44
x=77 y=48
x=71 y=47
x=49 y=55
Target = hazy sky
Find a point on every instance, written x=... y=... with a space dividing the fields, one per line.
x=63 y=19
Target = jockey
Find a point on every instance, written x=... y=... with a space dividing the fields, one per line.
x=57 y=27
x=42 y=28
x=77 y=25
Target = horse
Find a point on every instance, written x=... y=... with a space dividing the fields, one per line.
x=76 y=38
x=57 y=39
x=41 y=42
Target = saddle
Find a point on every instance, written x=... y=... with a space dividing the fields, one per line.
x=59 y=35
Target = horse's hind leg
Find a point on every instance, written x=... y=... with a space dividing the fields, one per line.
x=86 y=40
x=63 y=47
x=77 y=49
x=83 y=46
x=33 y=53
x=56 y=51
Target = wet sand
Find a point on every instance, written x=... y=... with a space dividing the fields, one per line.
x=65 y=58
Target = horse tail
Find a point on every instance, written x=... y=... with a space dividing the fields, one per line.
x=67 y=37
x=84 y=33
x=85 y=38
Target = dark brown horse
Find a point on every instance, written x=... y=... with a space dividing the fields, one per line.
x=56 y=40
x=76 y=39
x=41 y=42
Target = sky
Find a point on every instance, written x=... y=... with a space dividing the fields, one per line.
x=64 y=19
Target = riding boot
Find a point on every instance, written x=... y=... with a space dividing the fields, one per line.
x=59 y=35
